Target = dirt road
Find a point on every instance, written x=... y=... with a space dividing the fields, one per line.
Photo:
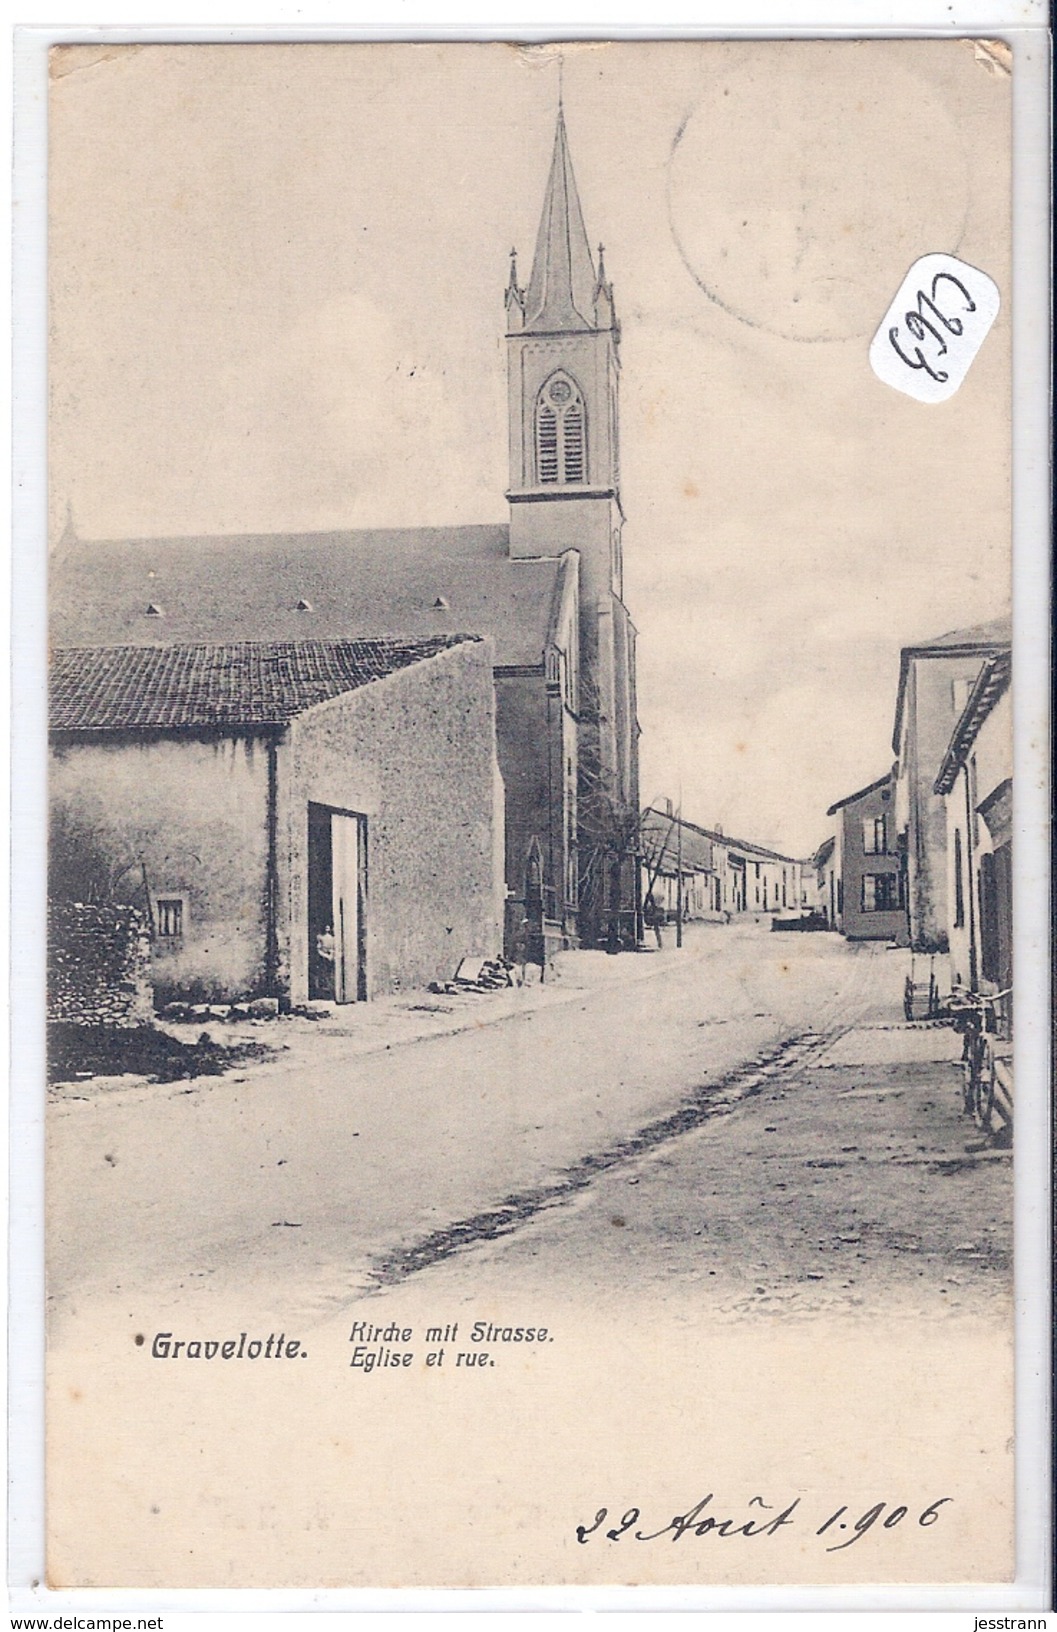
x=734 y=1189
x=685 y=1114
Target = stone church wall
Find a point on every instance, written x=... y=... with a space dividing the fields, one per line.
x=523 y=728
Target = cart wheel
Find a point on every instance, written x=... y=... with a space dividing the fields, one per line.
x=983 y=1108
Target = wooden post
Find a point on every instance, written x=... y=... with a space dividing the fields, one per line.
x=679 y=880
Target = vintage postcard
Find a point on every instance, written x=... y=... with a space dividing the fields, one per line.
x=530 y=971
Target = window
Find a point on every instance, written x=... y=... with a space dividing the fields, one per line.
x=959 y=882
x=880 y=892
x=169 y=917
x=561 y=435
x=874 y=836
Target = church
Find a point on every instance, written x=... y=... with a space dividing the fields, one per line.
x=545 y=590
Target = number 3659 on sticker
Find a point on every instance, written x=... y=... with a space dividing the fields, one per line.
x=934 y=327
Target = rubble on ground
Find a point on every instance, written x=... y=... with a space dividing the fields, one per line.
x=478 y=975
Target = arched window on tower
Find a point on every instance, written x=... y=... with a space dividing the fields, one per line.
x=561 y=432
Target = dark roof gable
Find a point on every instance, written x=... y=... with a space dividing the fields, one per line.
x=850 y=798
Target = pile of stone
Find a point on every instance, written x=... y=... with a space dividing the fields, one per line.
x=477 y=975
x=255 y=1008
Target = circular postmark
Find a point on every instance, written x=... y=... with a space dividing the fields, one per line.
x=807 y=180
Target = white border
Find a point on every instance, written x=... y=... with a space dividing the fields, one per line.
x=1024 y=26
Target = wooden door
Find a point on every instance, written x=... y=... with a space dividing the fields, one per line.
x=347 y=897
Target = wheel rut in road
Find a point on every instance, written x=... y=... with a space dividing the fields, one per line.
x=708 y=1100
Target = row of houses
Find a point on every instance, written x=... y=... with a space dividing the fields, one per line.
x=704 y=873
x=923 y=855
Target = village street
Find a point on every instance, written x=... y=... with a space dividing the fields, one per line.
x=748 y=1115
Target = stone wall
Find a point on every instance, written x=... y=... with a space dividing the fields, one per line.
x=99 y=961
x=187 y=819
x=415 y=755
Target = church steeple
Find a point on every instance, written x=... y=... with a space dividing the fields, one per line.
x=561 y=290
x=563 y=373
x=563 y=377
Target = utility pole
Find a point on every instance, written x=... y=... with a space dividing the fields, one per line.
x=679 y=880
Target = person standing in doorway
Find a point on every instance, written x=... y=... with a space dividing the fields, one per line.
x=325 y=950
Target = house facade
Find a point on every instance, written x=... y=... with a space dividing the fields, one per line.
x=935 y=680
x=546 y=588
x=866 y=887
x=313 y=820
x=975 y=781
x=829 y=898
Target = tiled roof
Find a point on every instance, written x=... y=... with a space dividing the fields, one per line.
x=172 y=688
x=303 y=586
x=653 y=817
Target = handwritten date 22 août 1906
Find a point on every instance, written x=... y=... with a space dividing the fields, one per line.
x=697 y=1522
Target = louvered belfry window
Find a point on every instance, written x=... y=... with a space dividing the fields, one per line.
x=561 y=433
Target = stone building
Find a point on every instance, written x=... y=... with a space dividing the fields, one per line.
x=545 y=588
x=313 y=819
x=935 y=680
x=867 y=886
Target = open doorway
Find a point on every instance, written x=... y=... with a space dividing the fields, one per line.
x=337 y=905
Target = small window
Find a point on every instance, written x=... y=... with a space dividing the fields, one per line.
x=169 y=917
x=874 y=836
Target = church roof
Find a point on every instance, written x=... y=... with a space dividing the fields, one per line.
x=166 y=688
x=335 y=586
x=562 y=288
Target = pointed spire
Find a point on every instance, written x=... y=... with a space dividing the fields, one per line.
x=561 y=290
x=514 y=296
x=605 y=311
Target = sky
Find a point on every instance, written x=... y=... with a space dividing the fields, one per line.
x=276 y=304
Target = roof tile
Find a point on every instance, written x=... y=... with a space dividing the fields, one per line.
x=185 y=687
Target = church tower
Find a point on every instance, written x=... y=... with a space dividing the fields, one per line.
x=563 y=345
x=563 y=357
